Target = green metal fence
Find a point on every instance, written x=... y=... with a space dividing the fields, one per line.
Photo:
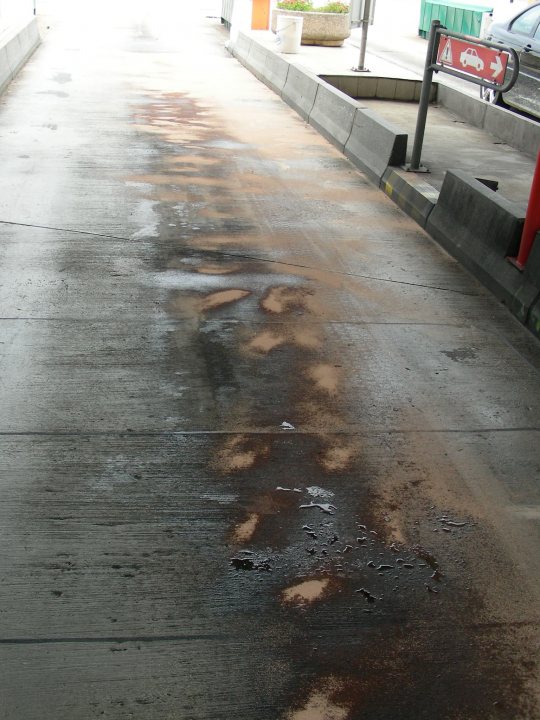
x=456 y=16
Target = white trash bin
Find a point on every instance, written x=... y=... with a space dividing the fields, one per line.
x=289 y=33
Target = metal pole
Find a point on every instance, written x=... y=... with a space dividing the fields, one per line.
x=424 y=97
x=532 y=220
x=366 y=12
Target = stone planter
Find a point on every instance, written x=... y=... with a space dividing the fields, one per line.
x=329 y=29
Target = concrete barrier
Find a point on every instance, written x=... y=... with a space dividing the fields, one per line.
x=5 y=70
x=16 y=50
x=276 y=71
x=515 y=130
x=300 y=90
x=374 y=144
x=411 y=193
x=257 y=60
x=241 y=47
x=526 y=301
x=480 y=229
x=333 y=115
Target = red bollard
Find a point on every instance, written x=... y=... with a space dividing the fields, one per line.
x=532 y=220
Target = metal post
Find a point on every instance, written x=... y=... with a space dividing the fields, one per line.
x=424 y=99
x=366 y=13
x=532 y=221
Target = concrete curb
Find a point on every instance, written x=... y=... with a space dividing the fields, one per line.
x=16 y=50
x=411 y=193
x=475 y=225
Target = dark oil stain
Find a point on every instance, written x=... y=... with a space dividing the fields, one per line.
x=368 y=596
x=57 y=93
x=425 y=555
x=244 y=563
x=461 y=354
x=62 y=77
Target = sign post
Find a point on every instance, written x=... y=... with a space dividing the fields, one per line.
x=477 y=61
x=367 y=8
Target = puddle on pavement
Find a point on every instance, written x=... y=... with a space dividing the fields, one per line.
x=319 y=492
x=366 y=559
x=203 y=269
x=217 y=269
x=222 y=297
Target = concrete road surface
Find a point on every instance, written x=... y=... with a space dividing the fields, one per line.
x=266 y=451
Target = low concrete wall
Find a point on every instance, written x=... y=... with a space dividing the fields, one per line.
x=480 y=229
x=300 y=91
x=374 y=144
x=526 y=301
x=361 y=86
x=276 y=71
x=333 y=115
x=515 y=130
x=16 y=48
x=533 y=321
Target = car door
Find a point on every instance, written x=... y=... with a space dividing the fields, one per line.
x=523 y=34
x=529 y=74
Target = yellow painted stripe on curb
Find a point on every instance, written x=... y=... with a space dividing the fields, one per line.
x=388 y=189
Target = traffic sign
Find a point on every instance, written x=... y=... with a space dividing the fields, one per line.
x=478 y=61
x=470 y=58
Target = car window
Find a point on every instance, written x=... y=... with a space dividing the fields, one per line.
x=526 y=23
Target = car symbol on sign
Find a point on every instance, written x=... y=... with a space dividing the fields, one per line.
x=469 y=57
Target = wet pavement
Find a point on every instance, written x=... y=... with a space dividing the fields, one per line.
x=267 y=451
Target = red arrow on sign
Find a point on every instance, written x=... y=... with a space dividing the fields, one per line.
x=472 y=59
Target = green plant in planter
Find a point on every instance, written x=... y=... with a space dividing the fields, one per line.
x=334 y=7
x=298 y=5
x=307 y=6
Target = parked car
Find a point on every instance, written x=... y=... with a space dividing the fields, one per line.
x=522 y=33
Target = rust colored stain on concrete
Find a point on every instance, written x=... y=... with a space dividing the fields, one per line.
x=241 y=452
x=322 y=704
x=306 y=592
x=280 y=300
x=222 y=297
x=326 y=377
x=244 y=531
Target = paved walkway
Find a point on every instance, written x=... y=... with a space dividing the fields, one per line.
x=267 y=452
